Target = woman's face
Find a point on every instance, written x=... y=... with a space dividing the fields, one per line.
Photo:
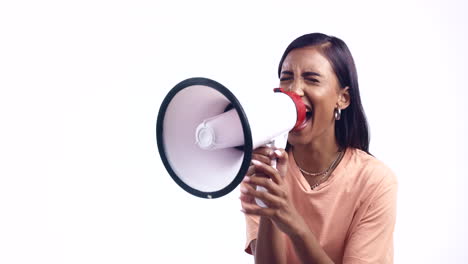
x=308 y=73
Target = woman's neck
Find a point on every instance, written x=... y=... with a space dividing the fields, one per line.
x=317 y=155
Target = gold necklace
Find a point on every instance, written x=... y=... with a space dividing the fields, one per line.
x=318 y=183
x=327 y=172
x=316 y=174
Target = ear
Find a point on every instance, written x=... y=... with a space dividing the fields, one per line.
x=344 y=99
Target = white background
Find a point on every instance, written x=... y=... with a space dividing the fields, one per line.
x=81 y=83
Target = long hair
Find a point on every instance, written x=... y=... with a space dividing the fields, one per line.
x=352 y=128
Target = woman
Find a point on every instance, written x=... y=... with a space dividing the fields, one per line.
x=329 y=200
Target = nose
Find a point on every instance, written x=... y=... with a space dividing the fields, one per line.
x=297 y=87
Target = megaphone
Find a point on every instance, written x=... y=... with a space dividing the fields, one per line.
x=206 y=138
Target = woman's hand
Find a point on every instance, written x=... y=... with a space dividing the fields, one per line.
x=264 y=155
x=280 y=209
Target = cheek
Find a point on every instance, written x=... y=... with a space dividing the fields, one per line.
x=324 y=103
x=320 y=92
x=322 y=98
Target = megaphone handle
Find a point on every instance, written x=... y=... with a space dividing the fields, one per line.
x=275 y=143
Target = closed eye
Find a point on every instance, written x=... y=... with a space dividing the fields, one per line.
x=309 y=76
x=312 y=80
x=286 y=75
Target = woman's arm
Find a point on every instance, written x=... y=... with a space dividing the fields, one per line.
x=280 y=220
x=270 y=244
x=308 y=248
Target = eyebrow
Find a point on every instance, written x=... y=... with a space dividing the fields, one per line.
x=305 y=74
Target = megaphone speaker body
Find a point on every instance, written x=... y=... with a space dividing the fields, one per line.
x=206 y=137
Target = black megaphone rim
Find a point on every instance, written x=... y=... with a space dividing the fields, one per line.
x=248 y=144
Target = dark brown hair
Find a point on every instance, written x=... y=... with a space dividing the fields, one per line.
x=352 y=129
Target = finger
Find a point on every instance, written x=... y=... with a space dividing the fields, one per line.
x=281 y=155
x=265 y=151
x=254 y=209
x=246 y=198
x=250 y=170
x=252 y=173
x=270 y=199
x=281 y=161
x=268 y=170
x=262 y=158
x=246 y=183
x=267 y=183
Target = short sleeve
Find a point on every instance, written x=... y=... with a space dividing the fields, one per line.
x=371 y=241
x=252 y=223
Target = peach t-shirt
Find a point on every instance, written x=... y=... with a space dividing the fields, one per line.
x=352 y=214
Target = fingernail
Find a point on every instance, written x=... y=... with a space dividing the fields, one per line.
x=279 y=153
x=243 y=189
x=247 y=179
x=256 y=162
x=242 y=210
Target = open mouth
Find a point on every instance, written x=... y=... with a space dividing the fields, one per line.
x=309 y=114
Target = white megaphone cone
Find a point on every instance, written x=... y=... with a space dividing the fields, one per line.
x=206 y=137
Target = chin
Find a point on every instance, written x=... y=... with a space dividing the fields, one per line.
x=297 y=139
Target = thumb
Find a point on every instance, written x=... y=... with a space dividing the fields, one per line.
x=281 y=161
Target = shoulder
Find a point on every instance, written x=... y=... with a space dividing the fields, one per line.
x=369 y=173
